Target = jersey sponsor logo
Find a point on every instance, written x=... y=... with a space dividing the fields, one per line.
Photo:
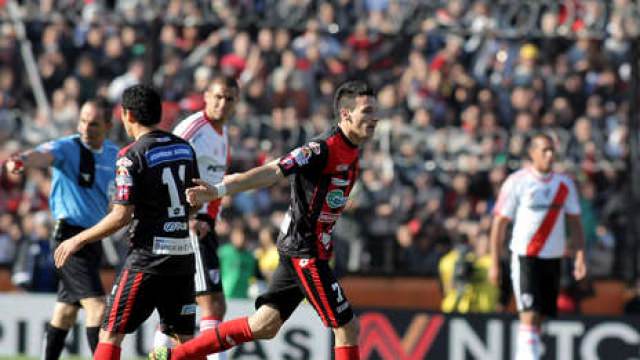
x=340 y=182
x=163 y=139
x=335 y=198
x=174 y=226
x=123 y=178
x=315 y=147
x=342 y=167
x=172 y=246
x=302 y=155
x=327 y=217
x=188 y=309
x=169 y=153
x=124 y=161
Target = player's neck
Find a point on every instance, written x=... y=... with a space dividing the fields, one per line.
x=216 y=123
x=353 y=139
x=540 y=173
x=140 y=131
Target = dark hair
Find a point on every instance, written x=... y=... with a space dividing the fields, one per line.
x=228 y=81
x=103 y=108
x=144 y=103
x=346 y=94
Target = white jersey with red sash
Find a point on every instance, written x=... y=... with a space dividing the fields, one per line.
x=538 y=204
x=212 y=151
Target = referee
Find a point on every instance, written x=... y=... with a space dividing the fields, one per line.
x=83 y=177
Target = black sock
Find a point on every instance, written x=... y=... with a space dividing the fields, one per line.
x=92 y=337
x=54 y=342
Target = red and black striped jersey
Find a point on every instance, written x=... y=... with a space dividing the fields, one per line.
x=152 y=174
x=324 y=171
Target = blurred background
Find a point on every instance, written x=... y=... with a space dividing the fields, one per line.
x=461 y=86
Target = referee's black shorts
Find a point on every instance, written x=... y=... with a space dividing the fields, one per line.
x=80 y=275
x=310 y=278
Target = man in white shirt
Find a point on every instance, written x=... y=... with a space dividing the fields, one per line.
x=206 y=131
x=537 y=200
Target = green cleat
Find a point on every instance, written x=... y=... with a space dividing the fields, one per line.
x=160 y=353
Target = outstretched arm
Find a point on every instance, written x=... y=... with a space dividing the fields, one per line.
x=119 y=216
x=30 y=158
x=259 y=177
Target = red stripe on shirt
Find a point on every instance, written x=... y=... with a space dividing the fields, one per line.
x=190 y=128
x=192 y=131
x=130 y=301
x=541 y=236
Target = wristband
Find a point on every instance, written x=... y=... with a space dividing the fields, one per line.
x=221 y=189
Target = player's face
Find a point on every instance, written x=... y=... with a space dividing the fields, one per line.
x=361 y=121
x=92 y=126
x=220 y=101
x=542 y=154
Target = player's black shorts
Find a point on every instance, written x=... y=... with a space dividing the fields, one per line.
x=136 y=294
x=80 y=275
x=297 y=278
x=207 y=276
x=536 y=282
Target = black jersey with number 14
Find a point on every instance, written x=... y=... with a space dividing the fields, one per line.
x=152 y=175
x=324 y=172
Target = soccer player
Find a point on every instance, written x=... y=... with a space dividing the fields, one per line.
x=538 y=200
x=207 y=133
x=152 y=174
x=324 y=171
x=83 y=172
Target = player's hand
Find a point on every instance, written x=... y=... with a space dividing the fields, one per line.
x=579 y=266
x=65 y=250
x=15 y=165
x=204 y=192
x=494 y=274
x=199 y=227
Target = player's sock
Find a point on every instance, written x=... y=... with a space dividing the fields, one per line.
x=228 y=334
x=92 y=337
x=161 y=339
x=54 y=342
x=528 y=347
x=209 y=323
x=350 y=352
x=107 y=351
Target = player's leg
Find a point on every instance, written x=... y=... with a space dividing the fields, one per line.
x=325 y=294
x=94 y=310
x=273 y=309
x=525 y=280
x=62 y=319
x=130 y=303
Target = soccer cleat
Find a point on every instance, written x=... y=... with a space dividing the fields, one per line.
x=160 y=353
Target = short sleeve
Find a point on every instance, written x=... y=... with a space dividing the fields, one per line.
x=507 y=199
x=311 y=156
x=572 y=205
x=58 y=149
x=126 y=170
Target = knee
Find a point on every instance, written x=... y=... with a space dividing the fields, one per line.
x=64 y=316
x=348 y=334
x=265 y=323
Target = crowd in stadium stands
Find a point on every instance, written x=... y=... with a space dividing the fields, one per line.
x=456 y=106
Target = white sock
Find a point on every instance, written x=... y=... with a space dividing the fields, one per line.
x=208 y=325
x=529 y=346
x=162 y=339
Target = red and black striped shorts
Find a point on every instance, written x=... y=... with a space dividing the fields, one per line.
x=299 y=278
x=136 y=294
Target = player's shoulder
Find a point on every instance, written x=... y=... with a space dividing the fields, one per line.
x=189 y=123
x=518 y=176
x=564 y=178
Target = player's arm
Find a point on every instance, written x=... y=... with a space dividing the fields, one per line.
x=576 y=245
x=259 y=177
x=119 y=216
x=496 y=241
x=29 y=159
